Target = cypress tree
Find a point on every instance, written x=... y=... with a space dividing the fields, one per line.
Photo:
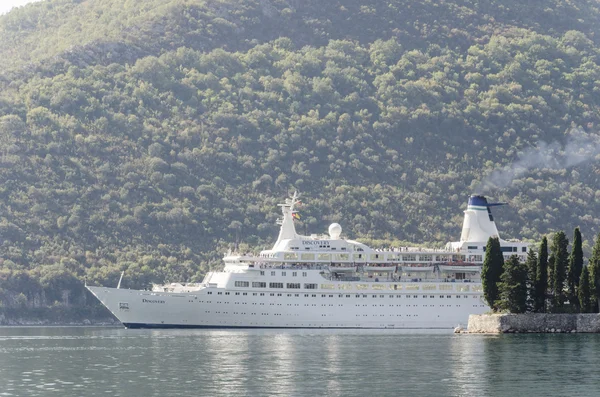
x=532 y=274
x=575 y=267
x=560 y=261
x=550 y=292
x=513 y=287
x=559 y=272
x=493 y=267
x=542 y=277
x=594 y=269
x=585 y=301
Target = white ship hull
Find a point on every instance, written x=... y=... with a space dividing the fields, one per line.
x=372 y=309
x=326 y=282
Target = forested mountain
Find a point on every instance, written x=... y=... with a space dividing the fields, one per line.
x=150 y=136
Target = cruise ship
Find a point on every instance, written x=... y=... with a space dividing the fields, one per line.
x=326 y=281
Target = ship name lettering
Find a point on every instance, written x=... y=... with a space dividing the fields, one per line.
x=314 y=242
x=152 y=301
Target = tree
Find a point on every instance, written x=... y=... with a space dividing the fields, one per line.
x=532 y=274
x=493 y=266
x=594 y=269
x=513 y=287
x=542 y=277
x=560 y=259
x=584 y=293
x=575 y=267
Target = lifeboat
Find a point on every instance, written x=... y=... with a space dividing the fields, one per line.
x=459 y=267
x=342 y=267
x=414 y=269
x=381 y=267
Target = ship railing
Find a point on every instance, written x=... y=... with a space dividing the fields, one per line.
x=333 y=277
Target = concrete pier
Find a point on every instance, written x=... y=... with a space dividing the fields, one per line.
x=533 y=323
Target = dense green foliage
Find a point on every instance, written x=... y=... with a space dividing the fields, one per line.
x=151 y=136
x=584 y=292
x=491 y=272
x=532 y=287
x=542 y=277
x=594 y=268
x=575 y=266
x=512 y=287
x=558 y=259
x=532 y=276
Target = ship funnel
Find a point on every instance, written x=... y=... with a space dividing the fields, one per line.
x=479 y=225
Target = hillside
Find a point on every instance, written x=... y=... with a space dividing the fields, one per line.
x=152 y=136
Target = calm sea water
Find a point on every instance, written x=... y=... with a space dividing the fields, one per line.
x=118 y=362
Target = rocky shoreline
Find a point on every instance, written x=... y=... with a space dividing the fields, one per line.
x=57 y=316
x=533 y=323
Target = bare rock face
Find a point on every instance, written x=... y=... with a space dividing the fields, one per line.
x=534 y=323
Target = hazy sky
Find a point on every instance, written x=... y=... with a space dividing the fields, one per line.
x=6 y=5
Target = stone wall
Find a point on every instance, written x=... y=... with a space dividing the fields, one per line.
x=533 y=322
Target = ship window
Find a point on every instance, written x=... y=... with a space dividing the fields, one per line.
x=237 y=293
x=293 y=285
x=310 y=286
x=283 y=273
x=242 y=283
x=219 y=293
x=524 y=249
x=272 y=273
x=262 y=272
x=343 y=248
x=210 y=293
x=327 y=286
x=303 y=274
x=245 y=293
x=506 y=249
x=472 y=247
x=294 y=274
x=275 y=285
x=287 y=294
x=259 y=284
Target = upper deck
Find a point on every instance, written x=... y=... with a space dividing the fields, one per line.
x=333 y=250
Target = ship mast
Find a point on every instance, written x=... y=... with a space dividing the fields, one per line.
x=288 y=229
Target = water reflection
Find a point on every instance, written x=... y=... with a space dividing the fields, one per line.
x=90 y=362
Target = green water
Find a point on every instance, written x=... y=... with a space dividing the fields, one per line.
x=119 y=362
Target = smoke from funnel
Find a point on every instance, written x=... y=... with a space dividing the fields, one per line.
x=580 y=147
